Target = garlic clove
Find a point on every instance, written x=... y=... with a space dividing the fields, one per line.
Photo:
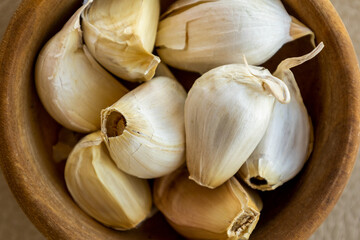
x=66 y=142
x=288 y=141
x=199 y=35
x=120 y=34
x=144 y=130
x=227 y=112
x=230 y=211
x=72 y=86
x=109 y=195
x=163 y=71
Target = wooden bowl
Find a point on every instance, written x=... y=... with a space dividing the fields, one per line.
x=329 y=84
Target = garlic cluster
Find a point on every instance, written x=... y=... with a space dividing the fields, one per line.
x=102 y=190
x=288 y=140
x=197 y=35
x=144 y=130
x=231 y=122
x=73 y=87
x=230 y=211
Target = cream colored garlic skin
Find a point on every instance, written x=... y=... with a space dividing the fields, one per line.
x=163 y=70
x=66 y=142
x=109 y=195
x=288 y=141
x=230 y=211
x=120 y=34
x=144 y=130
x=197 y=35
x=72 y=86
x=227 y=112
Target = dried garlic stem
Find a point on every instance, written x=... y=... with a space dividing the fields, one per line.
x=299 y=30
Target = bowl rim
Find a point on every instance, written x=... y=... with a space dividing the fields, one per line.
x=10 y=160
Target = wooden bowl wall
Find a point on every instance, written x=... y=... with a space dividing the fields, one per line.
x=330 y=87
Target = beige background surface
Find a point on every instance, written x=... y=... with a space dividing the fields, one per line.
x=342 y=224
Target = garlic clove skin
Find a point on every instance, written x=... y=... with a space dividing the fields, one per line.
x=120 y=34
x=227 y=112
x=107 y=194
x=144 y=130
x=66 y=142
x=230 y=211
x=288 y=141
x=200 y=35
x=163 y=71
x=72 y=86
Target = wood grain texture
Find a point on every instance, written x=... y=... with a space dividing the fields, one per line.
x=344 y=220
x=330 y=86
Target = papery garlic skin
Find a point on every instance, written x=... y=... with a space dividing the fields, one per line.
x=120 y=34
x=230 y=211
x=72 y=86
x=288 y=141
x=66 y=142
x=109 y=195
x=163 y=70
x=144 y=130
x=227 y=112
x=198 y=35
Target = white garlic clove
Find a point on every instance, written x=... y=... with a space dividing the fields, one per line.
x=227 y=112
x=120 y=34
x=107 y=194
x=72 y=86
x=288 y=141
x=144 y=130
x=198 y=35
x=230 y=211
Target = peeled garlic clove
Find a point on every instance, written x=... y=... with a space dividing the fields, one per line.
x=227 y=112
x=120 y=34
x=72 y=86
x=198 y=35
x=144 y=130
x=288 y=141
x=109 y=195
x=230 y=211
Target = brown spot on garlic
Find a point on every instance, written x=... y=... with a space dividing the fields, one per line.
x=115 y=124
x=258 y=180
x=242 y=222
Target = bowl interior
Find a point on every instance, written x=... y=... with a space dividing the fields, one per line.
x=328 y=84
